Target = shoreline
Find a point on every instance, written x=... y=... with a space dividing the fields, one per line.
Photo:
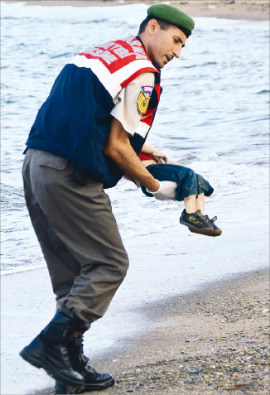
x=208 y=341
x=227 y=9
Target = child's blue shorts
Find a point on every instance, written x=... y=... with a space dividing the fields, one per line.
x=188 y=182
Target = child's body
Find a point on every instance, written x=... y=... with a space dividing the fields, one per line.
x=189 y=187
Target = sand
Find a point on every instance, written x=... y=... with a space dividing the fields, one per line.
x=212 y=341
x=228 y=9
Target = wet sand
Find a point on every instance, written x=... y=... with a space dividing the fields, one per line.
x=212 y=341
x=228 y=9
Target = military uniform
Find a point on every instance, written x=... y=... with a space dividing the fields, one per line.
x=65 y=170
x=65 y=173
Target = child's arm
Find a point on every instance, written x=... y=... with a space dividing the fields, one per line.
x=157 y=155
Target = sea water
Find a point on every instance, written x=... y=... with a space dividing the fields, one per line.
x=212 y=117
x=213 y=114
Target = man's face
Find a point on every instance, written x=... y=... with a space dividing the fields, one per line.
x=164 y=45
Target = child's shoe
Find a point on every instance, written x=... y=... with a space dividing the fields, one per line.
x=218 y=231
x=199 y=223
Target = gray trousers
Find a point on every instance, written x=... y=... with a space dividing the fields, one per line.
x=77 y=233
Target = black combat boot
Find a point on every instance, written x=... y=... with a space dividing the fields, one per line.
x=49 y=350
x=93 y=381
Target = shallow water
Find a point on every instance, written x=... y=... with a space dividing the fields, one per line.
x=213 y=117
x=213 y=114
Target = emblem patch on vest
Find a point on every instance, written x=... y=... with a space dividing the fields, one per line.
x=142 y=103
x=147 y=89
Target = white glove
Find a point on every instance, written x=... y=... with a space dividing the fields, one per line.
x=166 y=190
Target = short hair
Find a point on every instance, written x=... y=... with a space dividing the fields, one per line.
x=163 y=25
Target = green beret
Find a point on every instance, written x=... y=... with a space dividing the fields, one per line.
x=173 y=16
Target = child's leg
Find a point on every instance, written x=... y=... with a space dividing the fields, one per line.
x=200 y=202
x=193 y=217
x=192 y=204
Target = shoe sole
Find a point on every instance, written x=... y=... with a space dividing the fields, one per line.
x=206 y=232
x=202 y=231
x=37 y=363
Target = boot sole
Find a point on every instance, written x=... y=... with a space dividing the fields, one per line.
x=101 y=386
x=87 y=387
x=70 y=390
x=50 y=370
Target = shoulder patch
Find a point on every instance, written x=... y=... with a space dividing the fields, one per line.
x=142 y=103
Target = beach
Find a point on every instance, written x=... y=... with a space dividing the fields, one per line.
x=228 y=9
x=192 y=315
x=212 y=341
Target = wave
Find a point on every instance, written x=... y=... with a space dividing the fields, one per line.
x=263 y=91
x=20 y=269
